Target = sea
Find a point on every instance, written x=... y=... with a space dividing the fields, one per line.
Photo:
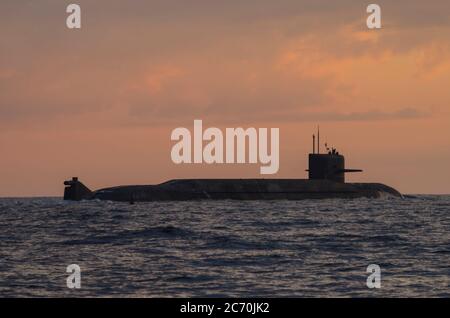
x=311 y=248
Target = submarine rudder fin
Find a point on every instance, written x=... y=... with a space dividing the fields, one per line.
x=76 y=190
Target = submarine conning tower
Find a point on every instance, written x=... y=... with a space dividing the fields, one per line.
x=327 y=166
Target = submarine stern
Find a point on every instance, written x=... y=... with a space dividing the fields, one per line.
x=76 y=191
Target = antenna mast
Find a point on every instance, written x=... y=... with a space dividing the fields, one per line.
x=314 y=144
x=318 y=139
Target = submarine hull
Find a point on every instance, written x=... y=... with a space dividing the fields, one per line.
x=232 y=189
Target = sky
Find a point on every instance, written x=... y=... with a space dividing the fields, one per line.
x=101 y=102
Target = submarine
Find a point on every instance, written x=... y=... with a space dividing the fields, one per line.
x=326 y=180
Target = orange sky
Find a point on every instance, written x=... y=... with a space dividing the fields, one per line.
x=100 y=102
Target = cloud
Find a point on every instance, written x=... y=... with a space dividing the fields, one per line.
x=371 y=115
x=159 y=61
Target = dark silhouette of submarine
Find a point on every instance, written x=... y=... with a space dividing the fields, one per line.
x=326 y=180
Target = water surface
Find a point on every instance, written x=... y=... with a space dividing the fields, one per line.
x=306 y=248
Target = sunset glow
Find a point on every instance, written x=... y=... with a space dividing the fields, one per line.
x=101 y=102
